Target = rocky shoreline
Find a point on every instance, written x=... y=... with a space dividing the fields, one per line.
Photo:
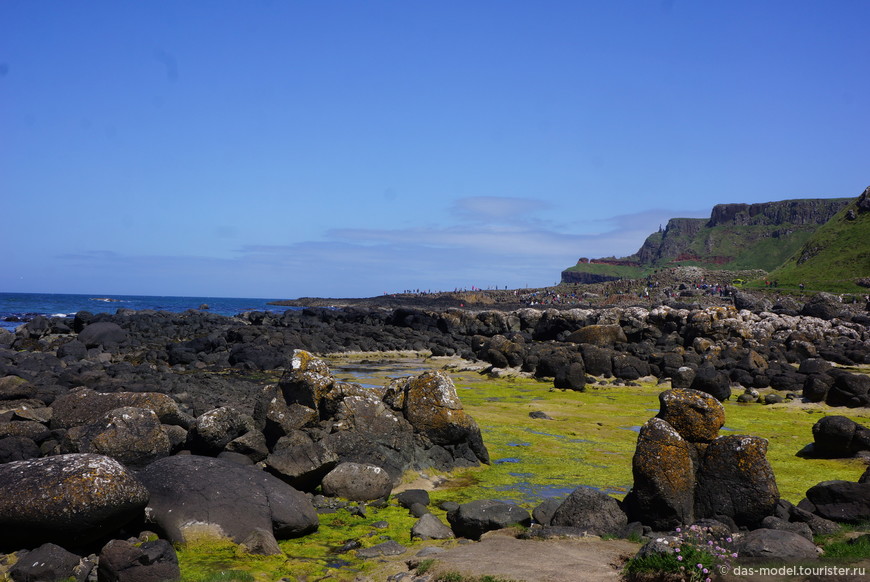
x=120 y=420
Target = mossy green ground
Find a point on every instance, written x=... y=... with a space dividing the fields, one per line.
x=589 y=441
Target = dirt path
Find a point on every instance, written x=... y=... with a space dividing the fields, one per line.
x=503 y=556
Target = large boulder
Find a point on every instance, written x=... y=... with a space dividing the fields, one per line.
x=70 y=499
x=839 y=436
x=357 y=482
x=304 y=464
x=736 y=480
x=598 y=361
x=841 y=501
x=473 y=519
x=370 y=432
x=103 y=334
x=591 y=510
x=696 y=415
x=776 y=545
x=816 y=386
x=193 y=497
x=663 y=494
x=571 y=378
x=823 y=305
x=712 y=381
x=848 y=389
x=433 y=408
x=598 y=335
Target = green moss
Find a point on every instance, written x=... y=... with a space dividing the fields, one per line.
x=848 y=550
x=206 y=561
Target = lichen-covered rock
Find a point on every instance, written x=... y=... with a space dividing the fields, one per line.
x=433 y=408
x=214 y=429
x=736 y=480
x=70 y=499
x=697 y=416
x=306 y=380
x=663 y=494
x=276 y=418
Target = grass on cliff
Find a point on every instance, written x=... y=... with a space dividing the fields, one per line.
x=833 y=259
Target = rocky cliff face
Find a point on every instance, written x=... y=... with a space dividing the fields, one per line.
x=797 y=212
x=736 y=236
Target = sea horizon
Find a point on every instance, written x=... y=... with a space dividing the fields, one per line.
x=19 y=308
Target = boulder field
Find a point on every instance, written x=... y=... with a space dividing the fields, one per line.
x=116 y=424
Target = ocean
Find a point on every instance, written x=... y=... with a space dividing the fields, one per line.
x=18 y=308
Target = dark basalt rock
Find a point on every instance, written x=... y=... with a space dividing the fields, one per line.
x=712 y=381
x=848 y=389
x=103 y=334
x=841 y=501
x=192 y=496
x=70 y=499
x=591 y=510
x=429 y=527
x=409 y=497
x=17 y=448
x=150 y=561
x=473 y=519
x=839 y=436
x=48 y=562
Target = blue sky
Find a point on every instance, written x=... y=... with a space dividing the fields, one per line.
x=298 y=148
